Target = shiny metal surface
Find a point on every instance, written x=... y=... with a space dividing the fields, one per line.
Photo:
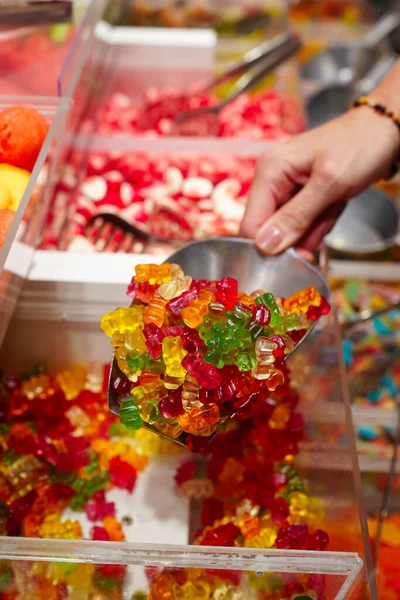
x=370 y=223
x=334 y=100
x=344 y=63
x=236 y=257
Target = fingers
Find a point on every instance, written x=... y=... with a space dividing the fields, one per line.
x=321 y=227
x=292 y=221
x=271 y=187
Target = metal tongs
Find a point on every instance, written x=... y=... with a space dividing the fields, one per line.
x=256 y=64
x=37 y=12
x=235 y=257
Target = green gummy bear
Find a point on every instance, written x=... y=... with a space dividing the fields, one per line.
x=269 y=301
x=129 y=414
x=246 y=359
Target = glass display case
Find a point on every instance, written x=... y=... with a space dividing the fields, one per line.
x=59 y=324
x=59 y=297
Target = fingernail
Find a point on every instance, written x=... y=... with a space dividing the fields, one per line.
x=269 y=238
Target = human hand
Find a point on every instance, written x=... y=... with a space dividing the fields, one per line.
x=300 y=186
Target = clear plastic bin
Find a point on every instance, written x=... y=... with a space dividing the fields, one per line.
x=31 y=58
x=58 y=321
x=15 y=257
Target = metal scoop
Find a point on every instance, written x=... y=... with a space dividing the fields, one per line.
x=236 y=257
x=334 y=100
x=344 y=63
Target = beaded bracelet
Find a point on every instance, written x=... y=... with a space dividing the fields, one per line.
x=382 y=110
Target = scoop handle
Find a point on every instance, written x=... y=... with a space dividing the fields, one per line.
x=375 y=75
x=384 y=27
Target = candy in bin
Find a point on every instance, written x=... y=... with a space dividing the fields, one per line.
x=202 y=360
x=146 y=201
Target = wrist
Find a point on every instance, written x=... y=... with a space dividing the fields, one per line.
x=384 y=126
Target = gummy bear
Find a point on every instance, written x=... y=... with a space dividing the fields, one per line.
x=208 y=376
x=227 y=292
x=302 y=300
x=193 y=314
x=153 y=274
x=269 y=301
x=155 y=311
x=175 y=287
x=190 y=393
x=121 y=320
x=72 y=381
x=173 y=354
x=199 y=418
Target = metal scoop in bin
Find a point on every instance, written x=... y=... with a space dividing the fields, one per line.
x=238 y=258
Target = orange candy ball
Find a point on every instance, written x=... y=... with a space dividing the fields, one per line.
x=22 y=133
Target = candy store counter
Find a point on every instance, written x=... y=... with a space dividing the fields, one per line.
x=59 y=325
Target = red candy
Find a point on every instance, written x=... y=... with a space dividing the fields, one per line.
x=227 y=292
x=264 y=115
x=22 y=133
x=123 y=475
x=208 y=376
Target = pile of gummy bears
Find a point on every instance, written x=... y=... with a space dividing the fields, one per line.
x=62 y=449
x=194 y=355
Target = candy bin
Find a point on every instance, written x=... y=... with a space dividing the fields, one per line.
x=29 y=129
x=182 y=187
x=371 y=350
x=32 y=57
x=89 y=508
x=386 y=548
x=227 y=18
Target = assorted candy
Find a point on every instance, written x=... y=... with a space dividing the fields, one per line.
x=22 y=133
x=61 y=448
x=266 y=115
x=197 y=355
x=175 y=197
x=31 y=59
x=371 y=352
x=224 y=17
x=389 y=556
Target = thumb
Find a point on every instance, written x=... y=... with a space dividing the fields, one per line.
x=272 y=186
x=292 y=221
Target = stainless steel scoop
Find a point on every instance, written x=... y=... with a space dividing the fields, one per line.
x=344 y=63
x=369 y=226
x=334 y=100
x=236 y=257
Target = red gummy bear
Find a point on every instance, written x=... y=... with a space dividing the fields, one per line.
x=123 y=475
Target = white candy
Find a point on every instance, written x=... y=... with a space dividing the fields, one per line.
x=108 y=208
x=205 y=205
x=197 y=187
x=173 y=179
x=113 y=178
x=130 y=214
x=94 y=188
x=227 y=187
x=224 y=199
x=80 y=244
x=127 y=193
x=83 y=202
x=155 y=192
x=230 y=209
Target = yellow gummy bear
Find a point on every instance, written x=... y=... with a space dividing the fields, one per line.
x=122 y=320
x=72 y=381
x=173 y=354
